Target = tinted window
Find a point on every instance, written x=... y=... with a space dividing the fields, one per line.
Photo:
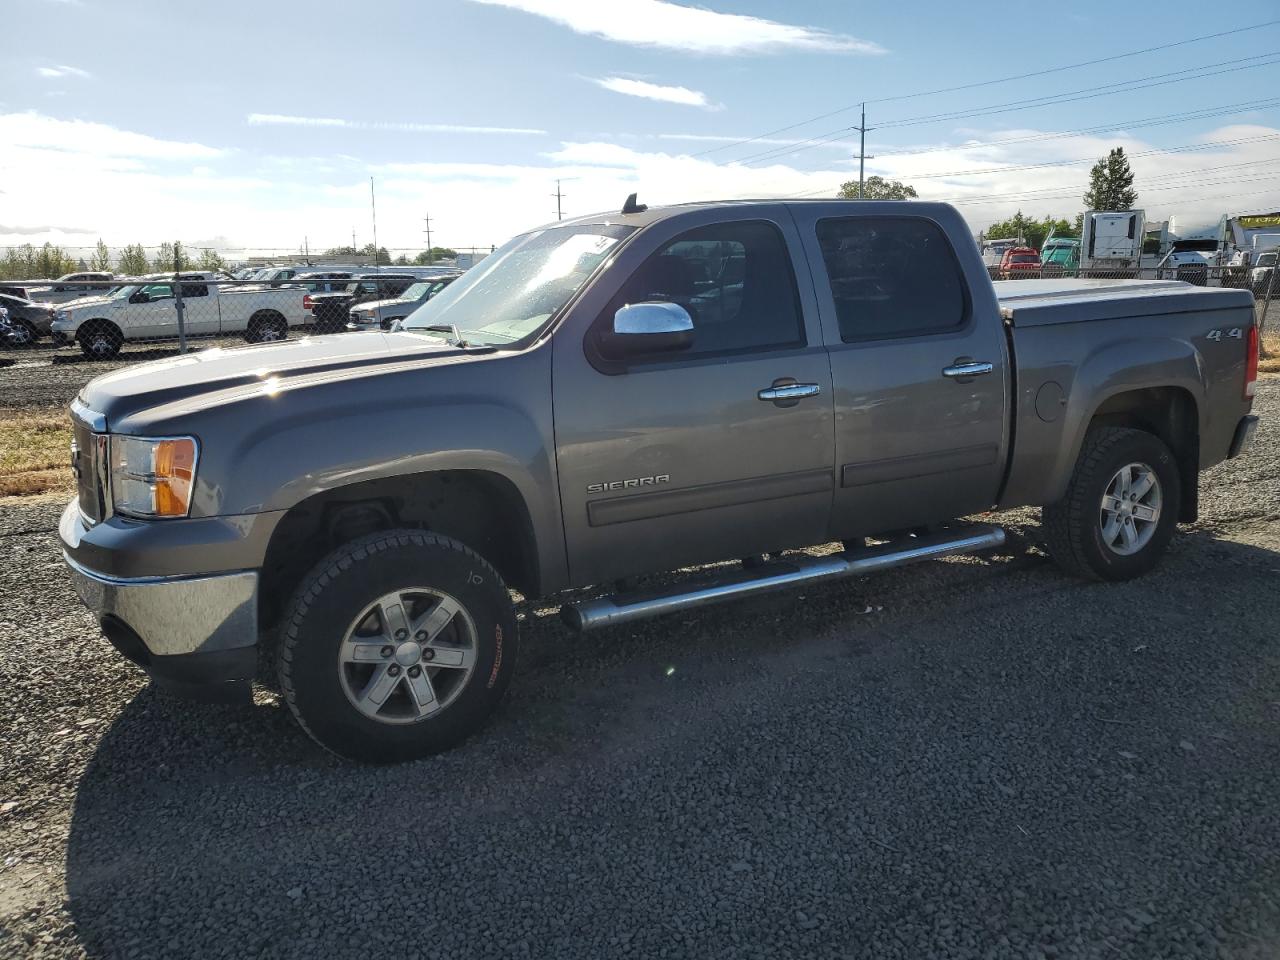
x=734 y=279
x=195 y=290
x=891 y=277
x=158 y=291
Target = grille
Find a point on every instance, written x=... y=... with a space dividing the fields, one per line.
x=89 y=459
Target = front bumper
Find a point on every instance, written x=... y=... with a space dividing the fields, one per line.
x=195 y=631
x=195 y=635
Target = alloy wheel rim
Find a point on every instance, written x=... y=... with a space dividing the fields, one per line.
x=407 y=656
x=1130 y=510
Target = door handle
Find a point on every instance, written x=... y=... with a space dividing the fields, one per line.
x=789 y=391
x=964 y=369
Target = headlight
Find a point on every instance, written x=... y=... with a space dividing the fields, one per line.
x=60 y=315
x=153 y=478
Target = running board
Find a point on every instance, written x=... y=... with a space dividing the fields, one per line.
x=779 y=575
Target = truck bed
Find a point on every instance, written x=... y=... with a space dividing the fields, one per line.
x=1033 y=303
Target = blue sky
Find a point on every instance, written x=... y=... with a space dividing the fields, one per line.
x=256 y=125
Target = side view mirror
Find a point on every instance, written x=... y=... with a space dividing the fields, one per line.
x=140 y=297
x=650 y=328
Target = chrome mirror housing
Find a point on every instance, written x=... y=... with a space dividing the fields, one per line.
x=651 y=328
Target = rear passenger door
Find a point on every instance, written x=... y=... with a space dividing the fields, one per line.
x=920 y=381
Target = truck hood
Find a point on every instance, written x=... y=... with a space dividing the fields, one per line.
x=369 y=306
x=186 y=384
x=84 y=303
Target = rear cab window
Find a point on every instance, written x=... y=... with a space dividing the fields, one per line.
x=892 y=277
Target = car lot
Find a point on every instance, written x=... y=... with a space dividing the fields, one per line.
x=973 y=757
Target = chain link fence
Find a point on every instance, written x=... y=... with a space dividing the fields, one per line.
x=104 y=317
x=100 y=317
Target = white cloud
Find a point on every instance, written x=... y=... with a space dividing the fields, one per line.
x=674 y=26
x=655 y=91
x=62 y=70
x=36 y=131
x=135 y=188
x=285 y=120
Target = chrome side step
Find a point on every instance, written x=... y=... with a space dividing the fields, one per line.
x=624 y=608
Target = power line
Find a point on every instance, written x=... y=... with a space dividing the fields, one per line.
x=1087 y=93
x=970 y=86
x=1184 y=148
x=1102 y=90
x=1219 y=110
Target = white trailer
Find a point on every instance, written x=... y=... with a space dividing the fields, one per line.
x=1111 y=242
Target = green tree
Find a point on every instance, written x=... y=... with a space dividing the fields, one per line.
x=101 y=260
x=211 y=260
x=878 y=188
x=435 y=255
x=1111 y=183
x=1029 y=229
x=384 y=256
x=133 y=261
x=165 y=259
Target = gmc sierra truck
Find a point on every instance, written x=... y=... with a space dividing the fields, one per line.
x=620 y=395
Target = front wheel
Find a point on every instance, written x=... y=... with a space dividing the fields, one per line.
x=396 y=646
x=1120 y=509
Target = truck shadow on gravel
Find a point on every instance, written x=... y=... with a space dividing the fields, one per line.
x=902 y=758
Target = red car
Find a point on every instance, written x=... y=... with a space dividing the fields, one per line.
x=1020 y=263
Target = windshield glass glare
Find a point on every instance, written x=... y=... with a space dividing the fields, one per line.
x=121 y=292
x=515 y=290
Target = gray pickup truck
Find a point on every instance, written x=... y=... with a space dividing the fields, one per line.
x=621 y=395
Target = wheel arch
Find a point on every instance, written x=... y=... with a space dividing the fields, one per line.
x=481 y=509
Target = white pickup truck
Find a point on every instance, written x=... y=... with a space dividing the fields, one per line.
x=148 y=310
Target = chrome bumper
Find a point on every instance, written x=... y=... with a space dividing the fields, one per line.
x=175 y=615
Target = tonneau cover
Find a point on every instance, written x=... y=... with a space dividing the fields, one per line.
x=1030 y=303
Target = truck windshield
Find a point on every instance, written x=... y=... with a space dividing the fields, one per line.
x=518 y=288
x=121 y=292
x=1201 y=245
x=1267 y=260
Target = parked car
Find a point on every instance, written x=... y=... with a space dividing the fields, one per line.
x=381 y=314
x=148 y=311
x=327 y=281
x=28 y=321
x=72 y=286
x=1020 y=263
x=568 y=418
x=330 y=311
x=1260 y=275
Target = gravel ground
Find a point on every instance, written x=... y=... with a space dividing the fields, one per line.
x=967 y=758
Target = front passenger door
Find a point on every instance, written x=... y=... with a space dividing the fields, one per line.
x=690 y=456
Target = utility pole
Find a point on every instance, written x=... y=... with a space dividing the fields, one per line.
x=373 y=214
x=862 y=148
x=353 y=241
x=558 y=195
x=427 y=221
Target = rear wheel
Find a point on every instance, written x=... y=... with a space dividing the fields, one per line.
x=266 y=327
x=100 y=339
x=1121 y=506
x=396 y=646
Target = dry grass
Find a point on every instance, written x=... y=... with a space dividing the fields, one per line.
x=35 y=453
x=1270 y=362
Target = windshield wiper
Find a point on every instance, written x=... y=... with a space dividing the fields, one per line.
x=452 y=328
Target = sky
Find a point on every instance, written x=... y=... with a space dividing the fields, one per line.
x=259 y=127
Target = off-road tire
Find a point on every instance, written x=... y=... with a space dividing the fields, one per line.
x=1072 y=528
x=100 y=339
x=334 y=593
x=266 y=326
